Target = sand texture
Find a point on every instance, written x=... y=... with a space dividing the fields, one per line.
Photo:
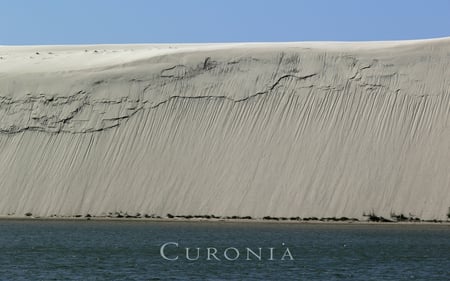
x=319 y=129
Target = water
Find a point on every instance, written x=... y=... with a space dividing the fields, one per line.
x=130 y=250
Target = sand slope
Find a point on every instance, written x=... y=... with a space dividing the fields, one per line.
x=286 y=129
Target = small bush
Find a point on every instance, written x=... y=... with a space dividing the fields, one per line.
x=372 y=217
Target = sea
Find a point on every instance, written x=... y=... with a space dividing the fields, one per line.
x=37 y=249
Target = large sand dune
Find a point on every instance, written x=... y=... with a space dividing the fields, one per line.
x=287 y=129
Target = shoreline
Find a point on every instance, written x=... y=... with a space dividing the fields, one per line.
x=223 y=220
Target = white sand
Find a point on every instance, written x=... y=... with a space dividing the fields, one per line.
x=260 y=129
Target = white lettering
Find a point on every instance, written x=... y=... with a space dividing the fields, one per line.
x=192 y=259
x=161 y=251
x=236 y=251
x=287 y=253
x=211 y=253
x=250 y=251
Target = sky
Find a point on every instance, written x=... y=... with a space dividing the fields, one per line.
x=47 y=22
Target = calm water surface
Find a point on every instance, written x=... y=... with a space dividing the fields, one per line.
x=129 y=250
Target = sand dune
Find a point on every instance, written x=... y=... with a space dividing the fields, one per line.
x=271 y=129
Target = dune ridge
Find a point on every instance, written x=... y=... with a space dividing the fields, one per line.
x=308 y=129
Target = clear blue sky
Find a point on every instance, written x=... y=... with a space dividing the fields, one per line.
x=25 y=22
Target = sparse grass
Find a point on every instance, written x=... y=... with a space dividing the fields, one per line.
x=372 y=217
